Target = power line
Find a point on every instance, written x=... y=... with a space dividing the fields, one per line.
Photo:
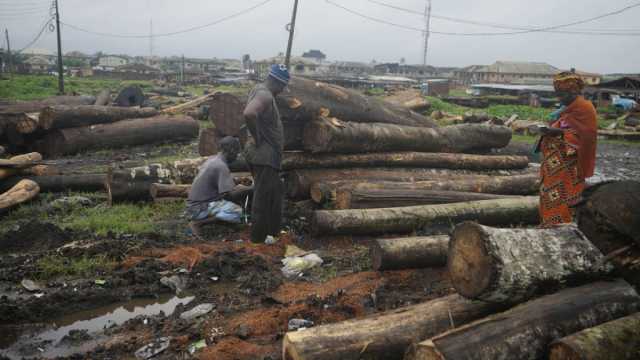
x=542 y=29
x=195 y=28
x=46 y=25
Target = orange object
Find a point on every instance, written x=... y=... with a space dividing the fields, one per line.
x=581 y=117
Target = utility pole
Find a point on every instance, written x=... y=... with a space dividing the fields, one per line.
x=9 y=58
x=150 y=39
x=60 y=66
x=291 y=28
x=427 y=31
x=182 y=72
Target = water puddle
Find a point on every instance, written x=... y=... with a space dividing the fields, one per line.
x=45 y=341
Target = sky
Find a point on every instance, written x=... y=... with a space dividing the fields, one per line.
x=341 y=35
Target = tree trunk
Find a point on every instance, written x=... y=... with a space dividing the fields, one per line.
x=63 y=117
x=103 y=98
x=208 y=142
x=40 y=170
x=383 y=336
x=38 y=105
x=130 y=96
x=409 y=253
x=21 y=161
x=184 y=171
x=335 y=136
x=22 y=192
x=133 y=185
x=512 y=265
x=614 y=340
x=298 y=182
x=526 y=331
x=522 y=210
x=386 y=198
x=63 y=183
x=225 y=111
x=300 y=160
x=120 y=134
x=159 y=191
x=309 y=98
x=27 y=123
x=326 y=191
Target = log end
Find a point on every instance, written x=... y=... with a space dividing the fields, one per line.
x=470 y=264
x=289 y=351
x=559 y=350
x=423 y=351
x=343 y=199
x=317 y=192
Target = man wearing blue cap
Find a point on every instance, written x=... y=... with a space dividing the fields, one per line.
x=265 y=157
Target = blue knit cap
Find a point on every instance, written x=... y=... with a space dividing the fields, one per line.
x=280 y=73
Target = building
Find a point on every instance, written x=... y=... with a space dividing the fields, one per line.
x=411 y=71
x=508 y=72
x=110 y=62
x=38 y=64
x=347 y=69
x=315 y=55
x=298 y=66
x=602 y=93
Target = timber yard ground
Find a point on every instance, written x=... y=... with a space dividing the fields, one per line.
x=100 y=266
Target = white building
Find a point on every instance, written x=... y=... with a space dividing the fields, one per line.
x=111 y=62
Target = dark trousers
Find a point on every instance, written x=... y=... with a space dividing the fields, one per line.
x=266 y=209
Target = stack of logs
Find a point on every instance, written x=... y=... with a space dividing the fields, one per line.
x=522 y=293
x=71 y=124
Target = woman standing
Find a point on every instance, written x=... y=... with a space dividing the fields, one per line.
x=568 y=149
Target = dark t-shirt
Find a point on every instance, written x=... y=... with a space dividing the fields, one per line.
x=213 y=180
x=269 y=136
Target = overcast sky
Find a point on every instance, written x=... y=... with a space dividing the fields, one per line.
x=339 y=34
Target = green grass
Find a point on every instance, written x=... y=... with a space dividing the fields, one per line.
x=523 y=112
x=459 y=93
x=33 y=87
x=53 y=266
x=439 y=105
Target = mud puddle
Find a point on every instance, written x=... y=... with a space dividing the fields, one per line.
x=79 y=332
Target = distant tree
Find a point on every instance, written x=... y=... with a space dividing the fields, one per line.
x=402 y=61
x=73 y=62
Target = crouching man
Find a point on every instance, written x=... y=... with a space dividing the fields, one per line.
x=212 y=193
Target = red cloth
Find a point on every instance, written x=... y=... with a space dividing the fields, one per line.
x=581 y=117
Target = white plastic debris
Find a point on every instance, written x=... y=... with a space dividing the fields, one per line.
x=30 y=285
x=270 y=240
x=175 y=282
x=299 y=324
x=197 y=311
x=296 y=265
x=152 y=349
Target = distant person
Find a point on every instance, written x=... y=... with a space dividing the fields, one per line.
x=568 y=149
x=265 y=155
x=213 y=189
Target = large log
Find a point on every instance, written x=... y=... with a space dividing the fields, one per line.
x=22 y=192
x=225 y=111
x=38 y=105
x=409 y=253
x=119 y=134
x=300 y=160
x=326 y=191
x=63 y=183
x=21 y=161
x=526 y=331
x=335 y=136
x=103 y=98
x=63 y=116
x=522 y=210
x=130 y=96
x=159 y=191
x=387 y=198
x=27 y=123
x=184 y=171
x=383 y=336
x=133 y=185
x=208 y=142
x=614 y=340
x=512 y=265
x=189 y=105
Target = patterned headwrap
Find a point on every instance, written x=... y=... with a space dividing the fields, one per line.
x=568 y=82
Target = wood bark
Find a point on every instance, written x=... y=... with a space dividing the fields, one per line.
x=513 y=265
x=526 y=331
x=38 y=105
x=169 y=191
x=184 y=171
x=22 y=192
x=103 y=98
x=383 y=336
x=133 y=185
x=386 y=198
x=27 y=123
x=62 y=116
x=225 y=111
x=300 y=160
x=334 y=136
x=62 y=183
x=119 y=134
x=614 y=340
x=409 y=253
x=130 y=96
x=326 y=191
x=523 y=210
x=21 y=161
x=189 y=105
x=208 y=142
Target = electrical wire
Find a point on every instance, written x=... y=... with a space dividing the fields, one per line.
x=195 y=28
x=47 y=24
x=542 y=29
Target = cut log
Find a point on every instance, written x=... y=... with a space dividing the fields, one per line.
x=62 y=183
x=38 y=105
x=335 y=136
x=103 y=98
x=409 y=253
x=522 y=210
x=7 y=173
x=63 y=117
x=225 y=111
x=526 y=331
x=27 y=123
x=184 y=171
x=614 y=340
x=130 y=96
x=513 y=265
x=133 y=185
x=21 y=161
x=189 y=105
x=326 y=191
x=208 y=142
x=22 y=192
x=119 y=134
x=386 y=198
x=169 y=191
x=299 y=160
x=40 y=170
x=383 y=336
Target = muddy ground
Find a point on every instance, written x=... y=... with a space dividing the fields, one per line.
x=98 y=294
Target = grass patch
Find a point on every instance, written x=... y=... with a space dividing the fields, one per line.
x=53 y=266
x=439 y=105
x=459 y=93
x=524 y=139
x=523 y=112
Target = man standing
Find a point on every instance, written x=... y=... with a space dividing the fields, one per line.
x=265 y=157
x=213 y=189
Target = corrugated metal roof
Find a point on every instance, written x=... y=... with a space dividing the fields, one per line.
x=515 y=67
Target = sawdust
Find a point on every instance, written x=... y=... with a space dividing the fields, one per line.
x=232 y=348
